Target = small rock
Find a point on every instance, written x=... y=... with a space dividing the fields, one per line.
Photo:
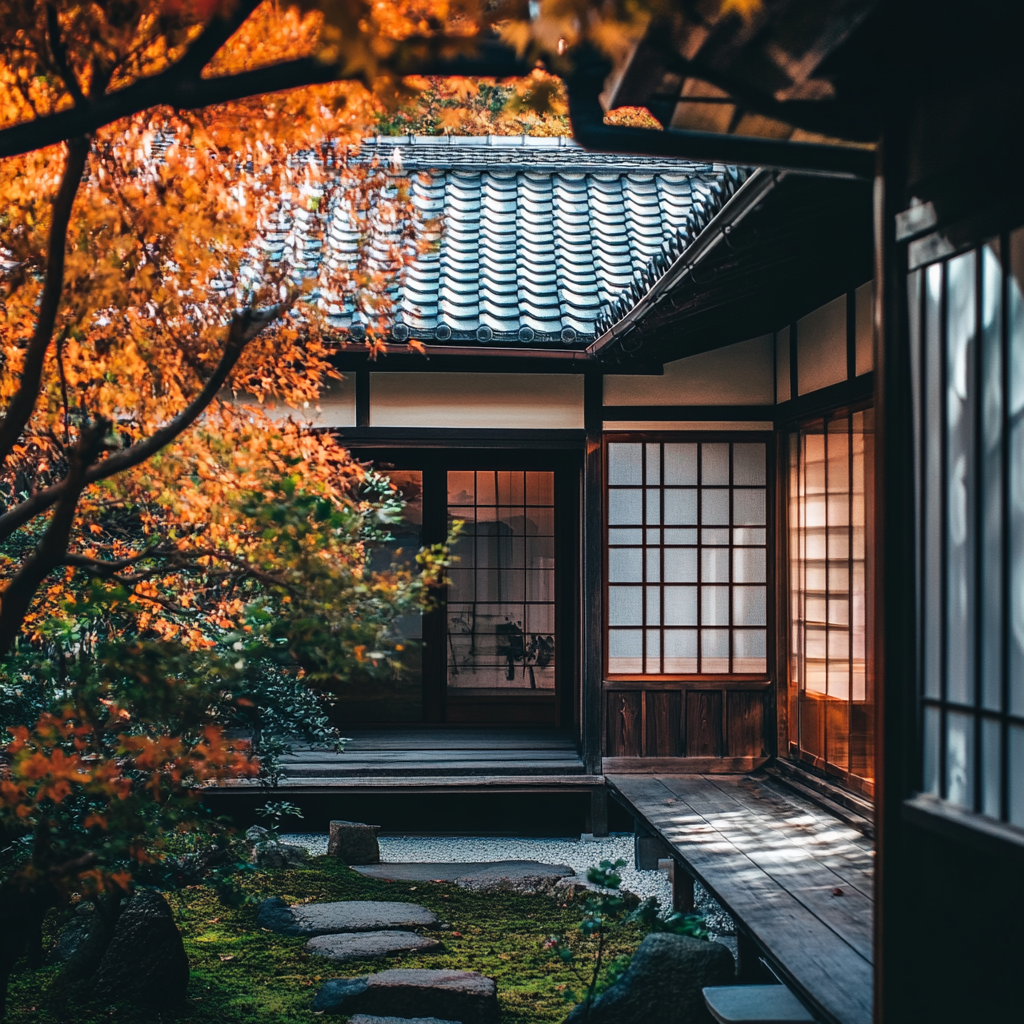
x=463 y=996
x=145 y=962
x=275 y=855
x=350 y=916
x=354 y=843
x=365 y=1018
x=366 y=945
x=662 y=984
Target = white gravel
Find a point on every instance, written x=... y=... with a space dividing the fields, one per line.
x=579 y=854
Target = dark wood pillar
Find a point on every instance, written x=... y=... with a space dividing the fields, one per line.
x=592 y=604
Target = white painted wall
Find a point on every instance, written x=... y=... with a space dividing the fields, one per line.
x=510 y=401
x=740 y=374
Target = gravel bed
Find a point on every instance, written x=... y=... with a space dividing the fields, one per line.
x=579 y=854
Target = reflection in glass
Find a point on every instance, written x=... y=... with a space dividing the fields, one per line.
x=501 y=604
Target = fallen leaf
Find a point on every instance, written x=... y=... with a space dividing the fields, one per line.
x=837 y=892
x=224 y=957
x=457 y=935
x=214 y=920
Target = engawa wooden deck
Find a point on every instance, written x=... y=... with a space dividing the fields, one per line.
x=798 y=881
x=437 y=758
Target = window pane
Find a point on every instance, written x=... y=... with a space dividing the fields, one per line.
x=680 y=606
x=1015 y=775
x=625 y=606
x=1015 y=316
x=932 y=725
x=960 y=759
x=961 y=387
x=682 y=536
x=749 y=650
x=714 y=508
x=625 y=650
x=747 y=535
x=625 y=565
x=749 y=606
x=714 y=650
x=992 y=470
x=621 y=536
x=624 y=507
x=714 y=565
x=714 y=610
x=652 y=471
x=680 y=464
x=653 y=606
x=653 y=650
x=748 y=507
x=714 y=467
x=749 y=565
x=680 y=507
x=932 y=583
x=680 y=650
x=680 y=565
x=748 y=465
x=991 y=762
x=653 y=505
x=624 y=463
x=654 y=565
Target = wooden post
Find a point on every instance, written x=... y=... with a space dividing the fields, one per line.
x=599 y=811
x=592 y=645
x=682 y=889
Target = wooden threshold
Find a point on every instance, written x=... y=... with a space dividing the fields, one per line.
x=422 y=784
x=681 y=765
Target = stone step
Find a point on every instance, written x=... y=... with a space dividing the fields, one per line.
x=366 y=945
x=365 y=1018
x=463 y=996
x=349 y=916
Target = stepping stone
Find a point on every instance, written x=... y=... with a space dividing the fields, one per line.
x=463 y=996
x=349 y=916
x=365 y=1018
x=363 y=945
x=455 y=872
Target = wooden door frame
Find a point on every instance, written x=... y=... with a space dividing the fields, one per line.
x=565 y=460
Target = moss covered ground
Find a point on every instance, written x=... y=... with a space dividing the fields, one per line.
x=242 y=974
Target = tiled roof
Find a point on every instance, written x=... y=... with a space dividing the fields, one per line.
x=540 y=241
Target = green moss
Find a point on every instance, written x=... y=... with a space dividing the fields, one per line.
x=242 y=974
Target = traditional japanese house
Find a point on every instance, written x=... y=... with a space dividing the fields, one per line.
x=731 y=413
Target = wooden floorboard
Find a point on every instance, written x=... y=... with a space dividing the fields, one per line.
x=775 y=864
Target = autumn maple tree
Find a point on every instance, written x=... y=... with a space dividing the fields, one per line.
x=178 y=553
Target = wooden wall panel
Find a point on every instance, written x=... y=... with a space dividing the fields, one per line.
x=744 y=718
x=625 y=713
x=664 y=722
x=704 y=723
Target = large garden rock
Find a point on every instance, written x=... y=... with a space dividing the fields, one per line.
x=350 y=916
x=353 y=842
x=75 y=934
x=267 y=851
x=463 y=996
x=662 y=984
x=145 y=962
x=366 y=945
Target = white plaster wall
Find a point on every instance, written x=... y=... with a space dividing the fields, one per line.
x=740 y=374
x=510 y=401
x=821 y=346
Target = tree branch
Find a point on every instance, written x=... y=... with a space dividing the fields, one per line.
x=52 y=548
x=243 y=328
x=24 y=401
x=181 y=86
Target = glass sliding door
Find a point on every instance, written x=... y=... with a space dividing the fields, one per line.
x=831 y=707
x=500 y=614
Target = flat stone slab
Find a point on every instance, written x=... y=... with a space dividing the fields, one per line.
x=365 y=1018
x=363 y=945
x=349 y=916
x=455 y=872
x=463 y=996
